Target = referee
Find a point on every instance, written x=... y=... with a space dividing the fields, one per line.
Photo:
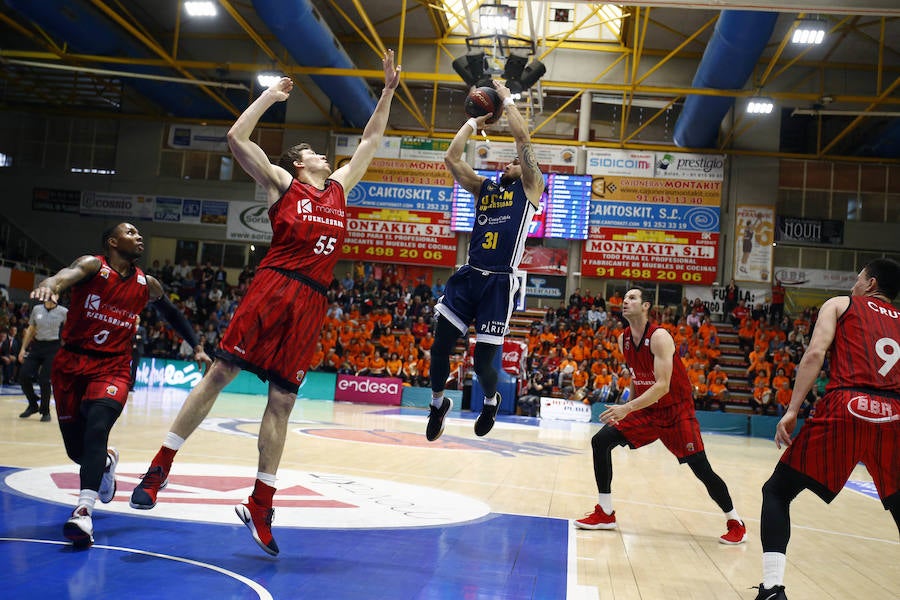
x=43 y=335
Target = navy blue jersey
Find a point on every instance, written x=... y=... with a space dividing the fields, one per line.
x=502 y=216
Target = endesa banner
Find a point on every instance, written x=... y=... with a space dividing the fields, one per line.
x=687 y=257
x=399 y=236
x=368 y=390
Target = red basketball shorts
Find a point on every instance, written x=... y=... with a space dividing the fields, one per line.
x=275 y=329
x=676 y=426
x=77 y=377
x=850 y=426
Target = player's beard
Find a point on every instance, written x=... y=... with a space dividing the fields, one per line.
x=506 y=180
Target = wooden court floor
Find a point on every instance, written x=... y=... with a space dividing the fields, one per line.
x=526 y=481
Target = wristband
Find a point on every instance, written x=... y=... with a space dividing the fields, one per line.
x=508 y=101
x=473 y=124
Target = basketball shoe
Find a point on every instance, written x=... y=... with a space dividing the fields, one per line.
x=144 y=495
x=258 y=519
x=597 y=520
x=485 y=421
x=736 y=533
x=776 y=592
x=108 y=482
x=436 y=419
x=80 y=528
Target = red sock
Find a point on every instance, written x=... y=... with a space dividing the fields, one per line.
x=164 y=459
x=263 y=493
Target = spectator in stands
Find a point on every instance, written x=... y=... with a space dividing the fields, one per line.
x=782 y=396
x=530 y=403
x=762 y=399
x=9 y=354
x=614 y=305
x=437 y=290
x=776 y=304
x=738 y=314
x=718 y=392
x=731 y=297
x=394 y=366
x=596 y=317
x=700 y=391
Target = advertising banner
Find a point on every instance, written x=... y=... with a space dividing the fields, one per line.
x=559 y=409
x=199 y=137
x=647 y=255
x=545 y=286
x=552 y=159
x=622 y=163
x=65 y=201
x=248 y=222
x=106 y=204
x=369 y=390
x=713 y=297
x=399 y=236
x=813 y=231
x=821 y=279
x=610 y=213
x=754 y=234
x=696 y=167
x=657 y=191
x=542 y=260
x=415 y=148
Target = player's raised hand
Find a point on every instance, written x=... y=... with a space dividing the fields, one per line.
x=391 y=72
x=281 y=89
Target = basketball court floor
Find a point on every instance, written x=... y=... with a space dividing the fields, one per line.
x=367 y=509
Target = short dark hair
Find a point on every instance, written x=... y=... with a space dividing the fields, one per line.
x=887 y=273
x=291 y=155
x=108 y=233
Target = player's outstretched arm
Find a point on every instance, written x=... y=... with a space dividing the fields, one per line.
x=350 y=174
x=532 y=178
x=462 y=172
x=250 y=156
x=84 y=267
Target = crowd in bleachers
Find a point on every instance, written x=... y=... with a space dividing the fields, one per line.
x=378 y=325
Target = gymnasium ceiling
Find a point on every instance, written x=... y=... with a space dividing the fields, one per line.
x=848 y=88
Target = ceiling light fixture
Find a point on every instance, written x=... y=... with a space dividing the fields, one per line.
x=267 y=78
x=200 y=9
x=809 y=32
x=760 y=106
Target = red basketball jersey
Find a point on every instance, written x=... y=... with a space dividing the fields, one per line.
x=308 y=229
x=640 y=361
x=104 y=310
x=866 y=347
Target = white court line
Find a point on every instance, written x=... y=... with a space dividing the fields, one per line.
x=262 y=592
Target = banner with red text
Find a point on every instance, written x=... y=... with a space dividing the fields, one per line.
x=399 y=236
x=687 y=257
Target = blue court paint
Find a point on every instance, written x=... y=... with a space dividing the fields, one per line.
x=499 y=556
x=866 y=488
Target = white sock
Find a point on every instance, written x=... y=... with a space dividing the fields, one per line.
x=733 y=514
x=88 y=498
x=173 y=442
x=266 y=478
x=492 y=401
x=773 y=569
x=437 y=399
x=605 y=502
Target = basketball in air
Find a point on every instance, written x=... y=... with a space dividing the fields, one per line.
x=482 y=101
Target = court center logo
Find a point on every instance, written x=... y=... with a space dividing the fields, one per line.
x=207 y=493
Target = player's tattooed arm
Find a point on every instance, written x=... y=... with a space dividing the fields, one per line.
x=532 y=178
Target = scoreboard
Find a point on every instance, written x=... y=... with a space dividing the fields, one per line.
x=564 y=211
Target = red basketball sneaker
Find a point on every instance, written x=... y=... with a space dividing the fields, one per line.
x=736 y=534
x=144 y=495
x=258 y=519
x=597 y=520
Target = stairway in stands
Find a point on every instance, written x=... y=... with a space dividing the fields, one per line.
x=735 y=365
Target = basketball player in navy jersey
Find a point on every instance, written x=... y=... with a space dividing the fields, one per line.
x=484 y=289
x=274 y=331
x=662 y=409
x=91 y=373
x=857 y=420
